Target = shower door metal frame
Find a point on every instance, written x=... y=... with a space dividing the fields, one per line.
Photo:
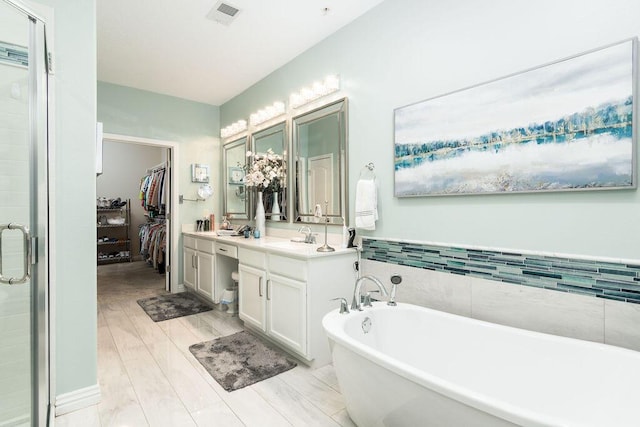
x=39 y=150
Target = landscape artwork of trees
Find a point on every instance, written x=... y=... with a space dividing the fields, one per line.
x=564 y=126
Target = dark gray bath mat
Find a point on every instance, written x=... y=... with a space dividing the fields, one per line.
x=165 y=307
x=239 y=360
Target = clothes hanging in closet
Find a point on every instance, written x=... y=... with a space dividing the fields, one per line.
x=153 y=190
x=153 y=242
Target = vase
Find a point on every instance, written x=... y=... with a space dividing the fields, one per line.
x=275 y=208
x=260 y=215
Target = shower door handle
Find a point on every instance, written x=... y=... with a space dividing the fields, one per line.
x=26 y=249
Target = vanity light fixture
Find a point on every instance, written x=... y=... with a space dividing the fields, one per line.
x=267 y=113
x=234 y=128
x=317 y=90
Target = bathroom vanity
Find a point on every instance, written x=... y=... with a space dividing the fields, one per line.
x=284 y=288
x=208 y=266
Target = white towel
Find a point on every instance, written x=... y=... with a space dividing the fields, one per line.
x=366 y=204
x=317 y=213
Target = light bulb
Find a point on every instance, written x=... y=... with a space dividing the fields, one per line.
x=318 y=89
x=332 y=83
x=295 y=100
x=307 y=94
x=278 y=107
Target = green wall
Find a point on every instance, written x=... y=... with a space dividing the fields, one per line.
x=128 y=111
x=404 y=51
x=193 y=125
x=74 y=185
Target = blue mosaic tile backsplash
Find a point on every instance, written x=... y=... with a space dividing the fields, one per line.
x=620 y=282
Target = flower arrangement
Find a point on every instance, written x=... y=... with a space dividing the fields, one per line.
x=266 y=172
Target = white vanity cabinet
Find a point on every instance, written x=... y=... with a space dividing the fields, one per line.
x=251 y=302
x=189 y=262
x=285 y=296
x=284 y=288
x=199 y=265
x=206 y=264
x=287 y=309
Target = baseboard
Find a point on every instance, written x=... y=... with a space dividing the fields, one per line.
x=20 y=421
x=77 y=399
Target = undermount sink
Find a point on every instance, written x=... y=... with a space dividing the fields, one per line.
x=294 y=245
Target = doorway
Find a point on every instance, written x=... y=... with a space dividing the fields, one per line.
x=162 y=155
x=24 y=220
x=321 y=181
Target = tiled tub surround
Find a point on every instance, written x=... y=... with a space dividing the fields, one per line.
x=572 y=297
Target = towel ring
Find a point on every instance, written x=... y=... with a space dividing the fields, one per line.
x=367 y=171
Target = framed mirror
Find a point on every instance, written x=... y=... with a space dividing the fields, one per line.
x=320 y=159
x=274 y=138
x=234 y=159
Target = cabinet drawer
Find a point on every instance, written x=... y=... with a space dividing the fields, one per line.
x=227 y=250
x=207 y=246
x=253 y=258
x=189 y=242
x=288 y=267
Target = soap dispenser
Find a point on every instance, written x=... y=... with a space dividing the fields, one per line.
x=352 y=236
x=225 y=223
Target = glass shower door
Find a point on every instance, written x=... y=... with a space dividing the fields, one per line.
x=23 y=189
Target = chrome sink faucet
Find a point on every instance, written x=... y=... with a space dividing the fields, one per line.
x=309 y=237
x=356 y=304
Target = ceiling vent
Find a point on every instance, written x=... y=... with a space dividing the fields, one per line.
x=223 y=13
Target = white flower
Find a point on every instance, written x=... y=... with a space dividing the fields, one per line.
x=265 y=172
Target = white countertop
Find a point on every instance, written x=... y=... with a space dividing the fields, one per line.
x=273 y=244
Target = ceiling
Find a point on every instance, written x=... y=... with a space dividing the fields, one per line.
x=171 y=47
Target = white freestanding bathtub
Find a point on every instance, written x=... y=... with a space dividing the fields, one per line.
x=421 y=367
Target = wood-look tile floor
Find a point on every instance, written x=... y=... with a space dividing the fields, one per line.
x=148 y=377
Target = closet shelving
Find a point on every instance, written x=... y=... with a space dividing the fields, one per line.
x=114 y=241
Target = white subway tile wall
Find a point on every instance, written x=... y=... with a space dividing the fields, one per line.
x=14 y=300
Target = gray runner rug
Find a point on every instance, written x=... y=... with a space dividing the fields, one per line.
x=165 y=307
x=239 y=360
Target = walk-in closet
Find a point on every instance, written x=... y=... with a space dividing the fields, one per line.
x=133 y=193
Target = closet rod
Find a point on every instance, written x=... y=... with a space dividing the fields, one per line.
x=162 y=165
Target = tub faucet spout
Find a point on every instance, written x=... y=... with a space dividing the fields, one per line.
x=356 y=304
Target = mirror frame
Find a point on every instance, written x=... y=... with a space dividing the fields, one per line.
x=199 y=172
x=225 y=178
x=339 y=108
x=262 y=133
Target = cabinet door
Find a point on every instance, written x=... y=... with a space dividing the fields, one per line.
x=206 y=269
x=189 y=272
x=251 y=300
x=287 y=312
